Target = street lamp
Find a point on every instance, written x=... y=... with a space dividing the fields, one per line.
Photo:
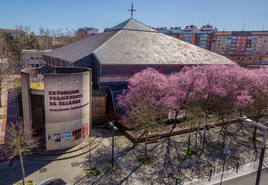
x=264 y=128
x=113 y=129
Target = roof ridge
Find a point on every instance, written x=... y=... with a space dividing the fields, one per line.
x=95 y=50
x=132 y=24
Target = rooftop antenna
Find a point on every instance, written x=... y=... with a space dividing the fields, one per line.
x=132 y=10
x=243 y=27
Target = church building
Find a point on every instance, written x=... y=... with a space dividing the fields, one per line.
x=125 y=49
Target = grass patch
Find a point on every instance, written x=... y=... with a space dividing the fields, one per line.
x=37 y=85
x=257 y=139
x=148 y=160
x=3 y=116
x=189 y=152
x=92 y=171
x=97 y=92
x=18 y=82
x=29 y=182
x=222 y=145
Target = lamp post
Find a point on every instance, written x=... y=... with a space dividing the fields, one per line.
x=264 y=128
x=113 y=129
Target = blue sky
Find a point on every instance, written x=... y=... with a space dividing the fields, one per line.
x=72 y=14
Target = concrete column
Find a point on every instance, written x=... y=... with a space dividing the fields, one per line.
x=90 y=102
x=26 y=101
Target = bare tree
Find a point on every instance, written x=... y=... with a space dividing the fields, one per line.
x=4 y=55
x=19 y=142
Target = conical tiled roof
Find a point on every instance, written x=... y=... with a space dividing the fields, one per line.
x=132 y=42
x=140 y=47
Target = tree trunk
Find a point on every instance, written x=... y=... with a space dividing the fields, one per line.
x=0 y=93
x=189 y=138
x=204 y=140
x=22 y=168
x=189 y=142
x=254 y=134
x=224 y=136
x=90 y=166
x=145 y=146
x=176 y=119
x=221 y=138
x=204 y=134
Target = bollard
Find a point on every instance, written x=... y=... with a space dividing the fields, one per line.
x=210 y=174
x=237 y=165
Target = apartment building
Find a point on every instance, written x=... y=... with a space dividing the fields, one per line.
x=243 y=47
x=201 y=37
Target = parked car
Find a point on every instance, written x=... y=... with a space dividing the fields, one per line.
x=52 y=181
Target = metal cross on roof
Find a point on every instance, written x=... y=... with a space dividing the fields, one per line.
x=132 y=10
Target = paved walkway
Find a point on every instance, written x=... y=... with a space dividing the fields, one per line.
x=125 y=169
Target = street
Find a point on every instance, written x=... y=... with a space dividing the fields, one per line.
x=249 y=179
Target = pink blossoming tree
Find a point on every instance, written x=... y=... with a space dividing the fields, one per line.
x=204 y=89
x=142 y=101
